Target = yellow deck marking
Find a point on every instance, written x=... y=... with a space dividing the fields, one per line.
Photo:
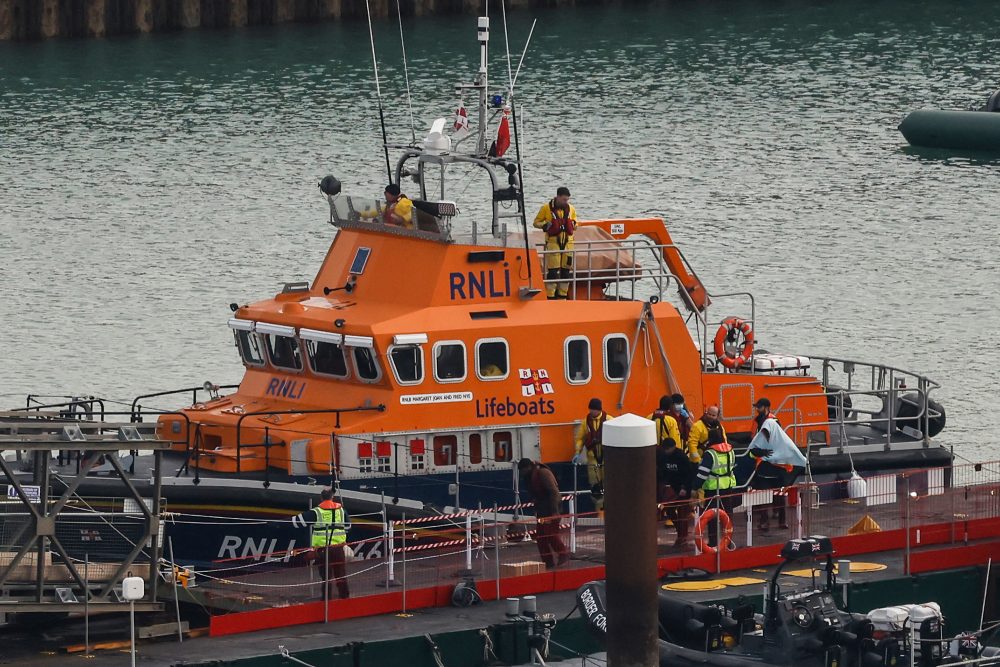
x=693 y=586
x=739 y=581
x=855 y=567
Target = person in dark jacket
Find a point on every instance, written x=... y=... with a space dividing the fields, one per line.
x=769 y=476
x=673 y=482
x=541 y=484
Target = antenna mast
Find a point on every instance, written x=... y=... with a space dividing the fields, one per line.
x=517 y=141
x=482 y=80
x=406 y=73
x=378 y=92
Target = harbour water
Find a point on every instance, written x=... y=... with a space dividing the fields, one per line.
x=147 y=182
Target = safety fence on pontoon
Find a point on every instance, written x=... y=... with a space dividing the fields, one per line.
x=495 y=546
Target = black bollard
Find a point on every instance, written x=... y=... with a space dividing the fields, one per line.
x=630 y=540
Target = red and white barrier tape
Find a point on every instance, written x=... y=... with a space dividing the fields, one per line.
x=462 y=515
x=475 y=541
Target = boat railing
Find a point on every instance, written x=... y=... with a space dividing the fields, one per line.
x=891 y=400
x=137 y=409
x=622 y=274
x=267 y=444
x=637 y=269
x=431 y=219
x=76 y=407
x=700 y=317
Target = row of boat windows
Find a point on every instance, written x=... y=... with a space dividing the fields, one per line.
x=499 y=448
x=491 y=362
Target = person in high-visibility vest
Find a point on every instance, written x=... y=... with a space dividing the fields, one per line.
x=590 y=449
x=328 y=521
x=717 y=477
x=557 y=218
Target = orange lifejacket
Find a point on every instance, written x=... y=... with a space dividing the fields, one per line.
x=561 y=222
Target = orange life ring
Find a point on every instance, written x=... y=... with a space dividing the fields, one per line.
x=701 y=541
x=725 y=333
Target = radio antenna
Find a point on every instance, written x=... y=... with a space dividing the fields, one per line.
x=406 y=72
x=521 y=62
x=517 y=139
x=378 y=91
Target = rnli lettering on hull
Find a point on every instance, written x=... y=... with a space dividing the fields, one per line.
x=505 y=407
x=285 y=388
x=236 y=548
x=479 y=285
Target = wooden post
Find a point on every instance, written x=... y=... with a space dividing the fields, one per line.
x=630 y=539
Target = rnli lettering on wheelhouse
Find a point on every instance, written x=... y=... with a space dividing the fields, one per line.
x=505 y=407
x=285 y=388
x=479 y=285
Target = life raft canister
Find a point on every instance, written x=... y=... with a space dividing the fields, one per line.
x=701 y=529
x=728 y=333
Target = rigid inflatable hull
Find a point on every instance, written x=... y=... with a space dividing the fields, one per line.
x=962 y=130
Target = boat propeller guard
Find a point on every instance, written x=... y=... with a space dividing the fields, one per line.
x=729 y=350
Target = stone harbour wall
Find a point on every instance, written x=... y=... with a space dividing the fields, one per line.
x=44 y=19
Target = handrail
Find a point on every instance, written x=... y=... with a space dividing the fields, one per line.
x=826 y=360
x=73 y=402
x=662 y=276
x=841 y=420
x=334 y=411
x=194 y=397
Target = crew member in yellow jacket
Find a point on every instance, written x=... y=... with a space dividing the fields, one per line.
x=702 y=430
x=557 y=219
x=590 y=449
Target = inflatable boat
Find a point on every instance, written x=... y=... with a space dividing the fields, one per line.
x=802 y=628
x=961 y=130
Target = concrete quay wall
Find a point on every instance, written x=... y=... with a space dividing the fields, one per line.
x=45 y=19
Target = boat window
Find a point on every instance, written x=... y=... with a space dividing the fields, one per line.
x=417 y=449
x=365 y=364
x=248 y=343
x=577 y=360
x=475 y=448
x=284 y=352
x=326 y=358
x=449 y=361
x=503 y=447
x=492 y=360
x=407 y=363
x=445 y=450
x=383 y=452
x=615 y=357
x=366 y=457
